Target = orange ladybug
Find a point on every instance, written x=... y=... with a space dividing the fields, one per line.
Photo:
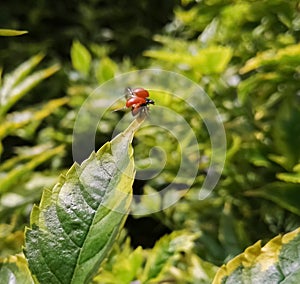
x=138 y=100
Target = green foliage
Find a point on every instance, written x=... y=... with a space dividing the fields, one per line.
x=13 y=176
x=81 y=58
x=196 y=63
x=171 y=259
x=17 y=84
x=126 y=29
x=163 y=255
x=256 y=89
x=123 y=267
x=245 y=54
x=264 y=264
x=15 y=269
x=106 y=69
x=77 y=221
x=18 y=170
x=5 y=32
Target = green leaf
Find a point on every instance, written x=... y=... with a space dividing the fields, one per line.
x=210 y=60
x=150 y=202
x=288 y=56
x=228 y=232
x=286 y=195
x=106 y=70
x=289 y=177
x=286 y=125
x=253 y=85
x=7 y=32
x=10 y=179
x=277 y=262
x=165 y=251
x=78 y=221
x=14 y=88
x=17 y=120
x=12 y=79
x=14 y=269
x=81 y=58
x=123 y=265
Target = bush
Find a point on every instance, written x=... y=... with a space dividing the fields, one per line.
x=245 y=55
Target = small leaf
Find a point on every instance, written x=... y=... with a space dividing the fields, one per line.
x=164 y=252
x=207 y=61
x=8 y=99
x=212 y=60
x=17 y=120
x=286 y=125
x=7 y=32
x=228 y=232
x=106 y=70
x=78 y=221
x=12 y=242
x=14 y=269
x=81 y=58
x=13 y=177
x=12 y=79
x=123 y=266
x=253 y=84
x=286 y=195
x=286 y=56
x=277 y=262
x=289 y=177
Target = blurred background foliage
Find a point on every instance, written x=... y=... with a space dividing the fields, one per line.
x=245 y=54
x=127 y=27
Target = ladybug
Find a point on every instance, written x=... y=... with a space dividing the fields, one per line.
x=138 y=100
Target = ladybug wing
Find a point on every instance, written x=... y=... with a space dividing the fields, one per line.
x=135 y=101
x=135 y=110
x=140 y=92
x=128 y=93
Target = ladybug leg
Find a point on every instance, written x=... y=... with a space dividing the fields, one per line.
x=144 y=112
x=135 y=110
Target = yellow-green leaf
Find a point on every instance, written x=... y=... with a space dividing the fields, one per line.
x=11 y=179
x=289 y=177
x=7 y=32
x=277 y=262
x=14 y=269
x=106 y=70
x=17 y=120
x=14 y=88
x=81 y=58
x=12 y=79
x=164 y=252
x=289 y=55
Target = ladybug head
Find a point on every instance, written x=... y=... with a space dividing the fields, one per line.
x=149 y=101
